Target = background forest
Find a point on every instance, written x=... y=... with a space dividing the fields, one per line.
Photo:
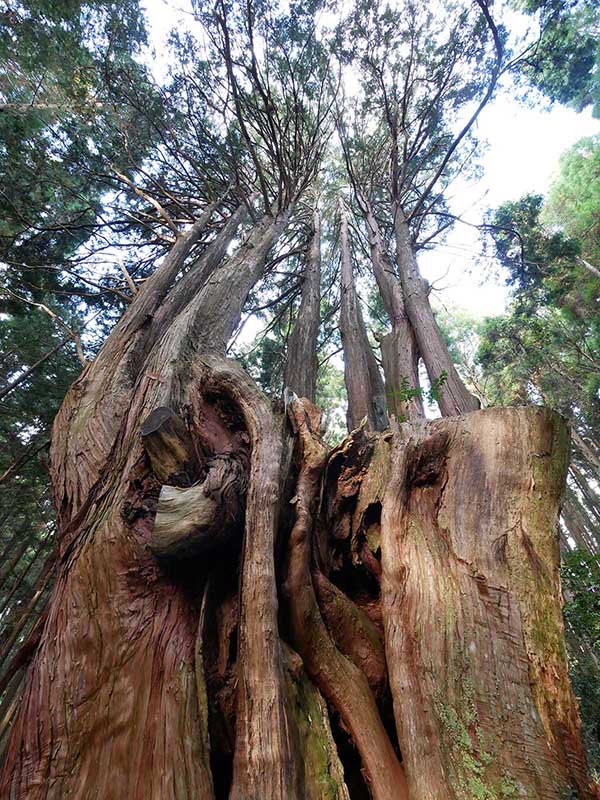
x=108 y=150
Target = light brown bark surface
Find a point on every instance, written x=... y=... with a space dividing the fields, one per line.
x=454 y=398
x=399 y=348
x=472 y=609
x=301 y=364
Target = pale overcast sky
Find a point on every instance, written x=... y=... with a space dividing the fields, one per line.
x=524 y=146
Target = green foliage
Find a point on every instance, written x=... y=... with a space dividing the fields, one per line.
x=565 y=62
x=581 y=584
x=547 y=347
x=405 y=392
x=574 y=199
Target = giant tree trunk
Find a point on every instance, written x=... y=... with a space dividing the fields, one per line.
x=417 y=651
x=472 y=608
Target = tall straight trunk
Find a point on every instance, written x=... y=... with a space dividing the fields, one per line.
x=454 y=398
x=577 y=522
x=364 y=385
x=399 y=352
x=592 y=500
x=301 y=365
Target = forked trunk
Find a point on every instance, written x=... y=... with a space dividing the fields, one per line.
x=399 y=354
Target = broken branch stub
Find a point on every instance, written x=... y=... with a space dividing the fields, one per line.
x=191 y=521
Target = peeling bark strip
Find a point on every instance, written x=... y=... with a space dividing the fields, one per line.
x=265 y=762
x=472 y=610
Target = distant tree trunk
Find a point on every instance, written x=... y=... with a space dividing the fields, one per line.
x=577 y=522
x=364 y=385
x=454 y=398
x=302 y=366
x=399 y=352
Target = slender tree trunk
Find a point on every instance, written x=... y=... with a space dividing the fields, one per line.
x=399 y=352
x=364 y=385
x=454 y=398
x=592 y=501
x=577 y=521
x=301 y=365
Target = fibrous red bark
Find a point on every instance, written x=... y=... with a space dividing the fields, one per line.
x=415 y=559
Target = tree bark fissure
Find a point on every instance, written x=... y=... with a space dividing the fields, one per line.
x=471 y=607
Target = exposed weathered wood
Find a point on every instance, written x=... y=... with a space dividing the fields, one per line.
x=472 y=608
x=322 y=772
x=193 y=521
x=168 y=445
x=265 y=759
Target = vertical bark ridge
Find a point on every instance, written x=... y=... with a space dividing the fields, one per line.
x=265 y=763
x=399 y=352
x=472 y=610
x=364 y=385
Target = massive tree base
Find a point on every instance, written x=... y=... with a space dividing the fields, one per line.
x=384 y=620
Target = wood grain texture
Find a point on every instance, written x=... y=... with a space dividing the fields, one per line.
x=472 y=609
